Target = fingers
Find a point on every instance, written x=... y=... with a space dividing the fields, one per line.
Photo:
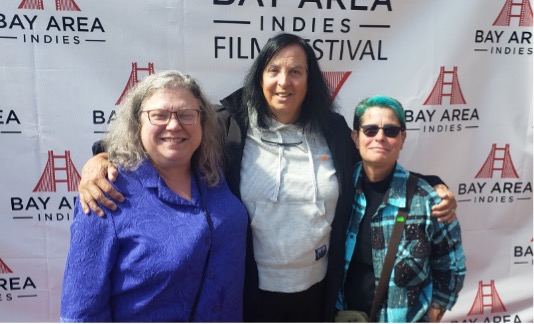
x=88 y=204
x=113 y=173
x=84 y=205
x=94 y=188
x=102 y=189
x=441 y=211
x=445 y=211
x=95 y=197
x=96 y=208
x=448 y=216
x=95 y=192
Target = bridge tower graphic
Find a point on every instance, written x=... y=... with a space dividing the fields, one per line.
x=523 y=11
x=499 y=159
x=134 y=79
x=61 y=5
x=48 y=180
x=447 y=85
x=335 y=81
x=487 y=296
x=4 y=268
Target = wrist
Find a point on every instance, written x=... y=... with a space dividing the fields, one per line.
x=438 y=309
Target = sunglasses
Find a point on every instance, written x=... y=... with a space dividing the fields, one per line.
x=389 y=130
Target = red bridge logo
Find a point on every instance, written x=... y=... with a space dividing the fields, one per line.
x=134 y=79
x=500 y=160
x=335 y=81
x=61 y=5
x=4 y=268
x=487 y=297
x=447 y=85
x=48 y=180
x=518 y=9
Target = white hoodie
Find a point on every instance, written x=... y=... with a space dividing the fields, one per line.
x=290 y=192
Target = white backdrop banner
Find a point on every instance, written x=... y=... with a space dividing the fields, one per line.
x=462 y=68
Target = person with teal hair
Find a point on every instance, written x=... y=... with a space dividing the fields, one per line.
x=429 y=266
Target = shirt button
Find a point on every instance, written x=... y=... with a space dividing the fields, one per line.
x=216 y=309
x=211 y=276
x=196 y=210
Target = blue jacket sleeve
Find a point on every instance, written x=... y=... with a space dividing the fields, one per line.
x=86 y=282
x=447 y=263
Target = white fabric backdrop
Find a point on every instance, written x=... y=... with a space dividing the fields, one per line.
x=63 y=69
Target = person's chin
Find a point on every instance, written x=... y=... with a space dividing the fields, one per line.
x=380 y=160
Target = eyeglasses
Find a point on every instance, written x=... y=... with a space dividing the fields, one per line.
x=160 y=117
x=264 y=140
x=391 y=131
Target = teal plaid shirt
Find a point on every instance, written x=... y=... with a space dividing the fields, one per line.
x=430 y=262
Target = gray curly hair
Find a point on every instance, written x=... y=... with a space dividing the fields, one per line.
x=123 y=140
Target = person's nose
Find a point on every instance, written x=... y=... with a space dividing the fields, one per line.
x=174 y=122
x=380 y=136
x=283 y=79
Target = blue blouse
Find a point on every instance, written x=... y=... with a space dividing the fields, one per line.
x=144 y=261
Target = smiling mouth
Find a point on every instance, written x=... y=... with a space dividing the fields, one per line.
x=379 y=149
x=173 y=140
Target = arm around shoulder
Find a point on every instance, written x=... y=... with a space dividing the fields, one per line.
x=95 y=186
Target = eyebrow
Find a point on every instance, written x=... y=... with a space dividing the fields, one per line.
x=298 y=66
x=172 y=108
x=291 y=66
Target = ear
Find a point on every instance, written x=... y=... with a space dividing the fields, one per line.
x=354 y=135
x=403 y=136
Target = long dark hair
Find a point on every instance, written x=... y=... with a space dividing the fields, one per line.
x=317 y=105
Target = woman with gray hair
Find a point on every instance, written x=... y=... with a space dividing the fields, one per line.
x=175 y=250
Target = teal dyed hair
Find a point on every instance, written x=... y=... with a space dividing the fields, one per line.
x=382 y=102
